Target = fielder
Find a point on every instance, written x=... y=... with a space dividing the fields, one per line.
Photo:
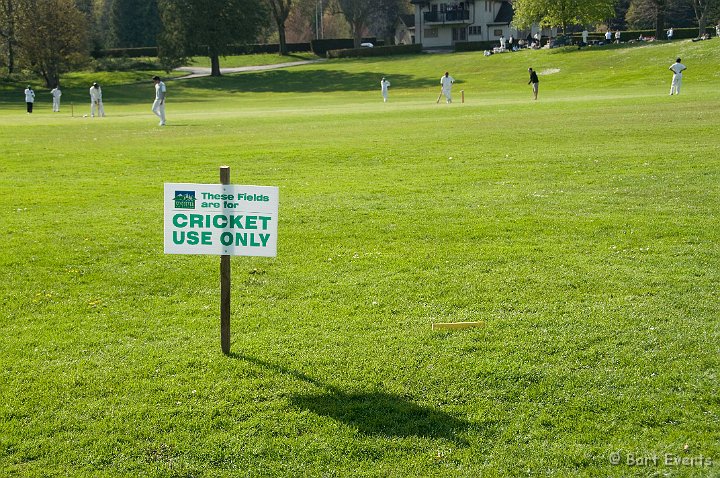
x=447 y=81
x=677 y=68
x=29 y=99
x=384 y=88
x=158 y=106
x=96 y=100
x=56 y=94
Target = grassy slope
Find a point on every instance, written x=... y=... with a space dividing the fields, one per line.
x=583 y=229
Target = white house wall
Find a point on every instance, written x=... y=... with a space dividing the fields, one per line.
x=482 y=14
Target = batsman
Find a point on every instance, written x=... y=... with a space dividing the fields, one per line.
x=96 y=100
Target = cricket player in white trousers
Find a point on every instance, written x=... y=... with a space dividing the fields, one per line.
x=447 y=81
x=677 y=68
x=56 y=94
x=158 y=106
x=384 y=88
x=96 y=100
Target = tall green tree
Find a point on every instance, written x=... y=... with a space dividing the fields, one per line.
x=280 y=10
x=208 y=27
x=52 y=37
x=358 y=14
x=134 y=23
x=561 y=13
x=8 y=17
x=382 y=22
x=703 y=8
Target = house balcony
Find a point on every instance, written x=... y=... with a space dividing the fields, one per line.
x=449 y=16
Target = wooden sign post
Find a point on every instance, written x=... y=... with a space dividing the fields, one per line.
x=224 y=220
x=225 y=283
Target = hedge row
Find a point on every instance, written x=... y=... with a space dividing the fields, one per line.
x=254 y=49
x=321 y=46
x=126 y=52
x=232 y=50
x=476 y=45
x=376 y=51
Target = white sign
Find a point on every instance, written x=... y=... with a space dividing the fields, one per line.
x=221 y=219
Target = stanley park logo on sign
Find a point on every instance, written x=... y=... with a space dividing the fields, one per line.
x=184 y=199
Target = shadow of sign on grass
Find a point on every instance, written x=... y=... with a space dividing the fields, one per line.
x=372 y=413
x=380 y=413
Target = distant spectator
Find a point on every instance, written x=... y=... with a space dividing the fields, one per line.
x=585 y=36
x=617 y=36
x=608 y=37
x=670 y=33
x=29 y=99
x=502 y=42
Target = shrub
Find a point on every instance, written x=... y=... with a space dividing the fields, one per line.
x=125 y=64
x=322 y=46
x=377 y=51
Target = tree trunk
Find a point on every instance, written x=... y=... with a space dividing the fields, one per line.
x=357 y=34
x=10 y=57
x=281 y=36
x=11 y=37
x=214 y=64
x=660 y=24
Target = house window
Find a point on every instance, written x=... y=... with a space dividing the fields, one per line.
x=431 y=33
x=443 y=7
x=497 y=32
x=459 y=34
x=476 y=30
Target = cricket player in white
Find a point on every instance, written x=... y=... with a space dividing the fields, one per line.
x=677 y=68
x=158 y=106
x=447 y=81
x=56 y=94
x=96 y=100
x=384 y=88
x=29 y=99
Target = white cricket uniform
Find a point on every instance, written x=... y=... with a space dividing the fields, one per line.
x=96 y=101
x=384 y=88
x=677 y=69
x=447 y=82
x=158 y=106
x=29 y=95
x=56 y=94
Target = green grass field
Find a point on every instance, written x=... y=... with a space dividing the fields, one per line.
x=583 y=230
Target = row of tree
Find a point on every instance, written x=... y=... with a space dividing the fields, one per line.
x=46 y=36
x=50 y=37
x=638 y=13
x=187 y=27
